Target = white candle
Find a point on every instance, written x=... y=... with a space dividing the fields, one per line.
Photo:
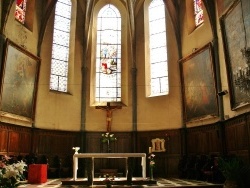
x=149 y=150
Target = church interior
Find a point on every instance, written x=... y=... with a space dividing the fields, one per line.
x=168 y=78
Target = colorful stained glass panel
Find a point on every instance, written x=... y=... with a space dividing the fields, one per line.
x=108 y=55
x=198 y=12
x=20 y=10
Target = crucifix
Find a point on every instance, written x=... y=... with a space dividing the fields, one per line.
x=109 y=109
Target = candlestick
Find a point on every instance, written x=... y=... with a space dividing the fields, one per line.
x=149 y=150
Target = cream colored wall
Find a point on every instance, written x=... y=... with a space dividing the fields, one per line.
x=59 y=111
x=192 y=40
x=26 y=39
x=20 y=35
x=153 y=113
x=63 y=111
x=56 y=110
x=164 y=112
x=122 y=118
x=199 y=38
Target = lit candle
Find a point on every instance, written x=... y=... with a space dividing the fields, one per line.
x=149 y=150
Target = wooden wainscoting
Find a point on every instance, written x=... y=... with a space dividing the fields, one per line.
x=237 y=137
x=53 y=146
x=123 y=144
x=167 y=161
x=15 y=140
x=206 y=139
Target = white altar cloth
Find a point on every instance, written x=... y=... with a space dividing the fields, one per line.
x=107 y=155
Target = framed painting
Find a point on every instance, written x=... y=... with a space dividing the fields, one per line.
x=236 y=41
x=18 y=83
x=198 y=81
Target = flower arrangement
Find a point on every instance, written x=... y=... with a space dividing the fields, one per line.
x=108 y=180
x=11 y=173
x=151 y=160
x=107 y=137
x=151 y=164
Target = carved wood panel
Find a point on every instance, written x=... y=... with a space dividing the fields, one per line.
x=236 y=134
x=204 y=140
x=173 y=142
x=172 y=166
x=14 y=141
x=208 y=139
x=3 y=140
x=25 y=144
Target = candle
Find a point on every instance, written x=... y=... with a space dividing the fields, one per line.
x=149 y=150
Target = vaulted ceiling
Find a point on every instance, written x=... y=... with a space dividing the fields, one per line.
x=132 y=6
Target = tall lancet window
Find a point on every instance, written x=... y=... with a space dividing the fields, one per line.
x=60 y=46
x=158 y=49
x=198 y=12
x=20 y=10
x=108 y=55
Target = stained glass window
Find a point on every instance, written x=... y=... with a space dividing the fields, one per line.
x=108 y=55
x=20 y=10
x=60 y=46
x=158 y=49
x=198 y=12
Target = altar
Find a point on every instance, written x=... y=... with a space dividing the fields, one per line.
x=92 y=156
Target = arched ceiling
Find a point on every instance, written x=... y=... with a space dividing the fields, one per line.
x=133 y=7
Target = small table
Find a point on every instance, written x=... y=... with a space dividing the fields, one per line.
x=107 y=155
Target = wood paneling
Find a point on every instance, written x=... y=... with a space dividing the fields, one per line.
x=228 y=137
x=25 y=138
x=166 y=162
x=14 y=140
x=236 y=134
x=3 y=141
x=172 y=166
x=173 y=142
x=204 y=140
x=44 y=143
x=51 y=142
x=237 y=137
x=93 y=143
x=122 y=145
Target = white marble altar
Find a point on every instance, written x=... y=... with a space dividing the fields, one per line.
x=107 y=155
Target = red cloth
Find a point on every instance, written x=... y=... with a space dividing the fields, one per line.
x=37 y=173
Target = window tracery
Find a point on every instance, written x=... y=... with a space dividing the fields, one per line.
x=158 y=49
x=198 y=12
x=108 y=55
x=60 y=46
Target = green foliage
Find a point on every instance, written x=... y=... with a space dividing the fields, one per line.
x=230 y=168
x=107 y=137
x=11 y=173
x=151 y=160
x=234 y=169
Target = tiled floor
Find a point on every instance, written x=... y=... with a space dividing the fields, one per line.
x=161 y=182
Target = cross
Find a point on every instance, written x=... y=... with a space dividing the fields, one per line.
x=109 y=109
